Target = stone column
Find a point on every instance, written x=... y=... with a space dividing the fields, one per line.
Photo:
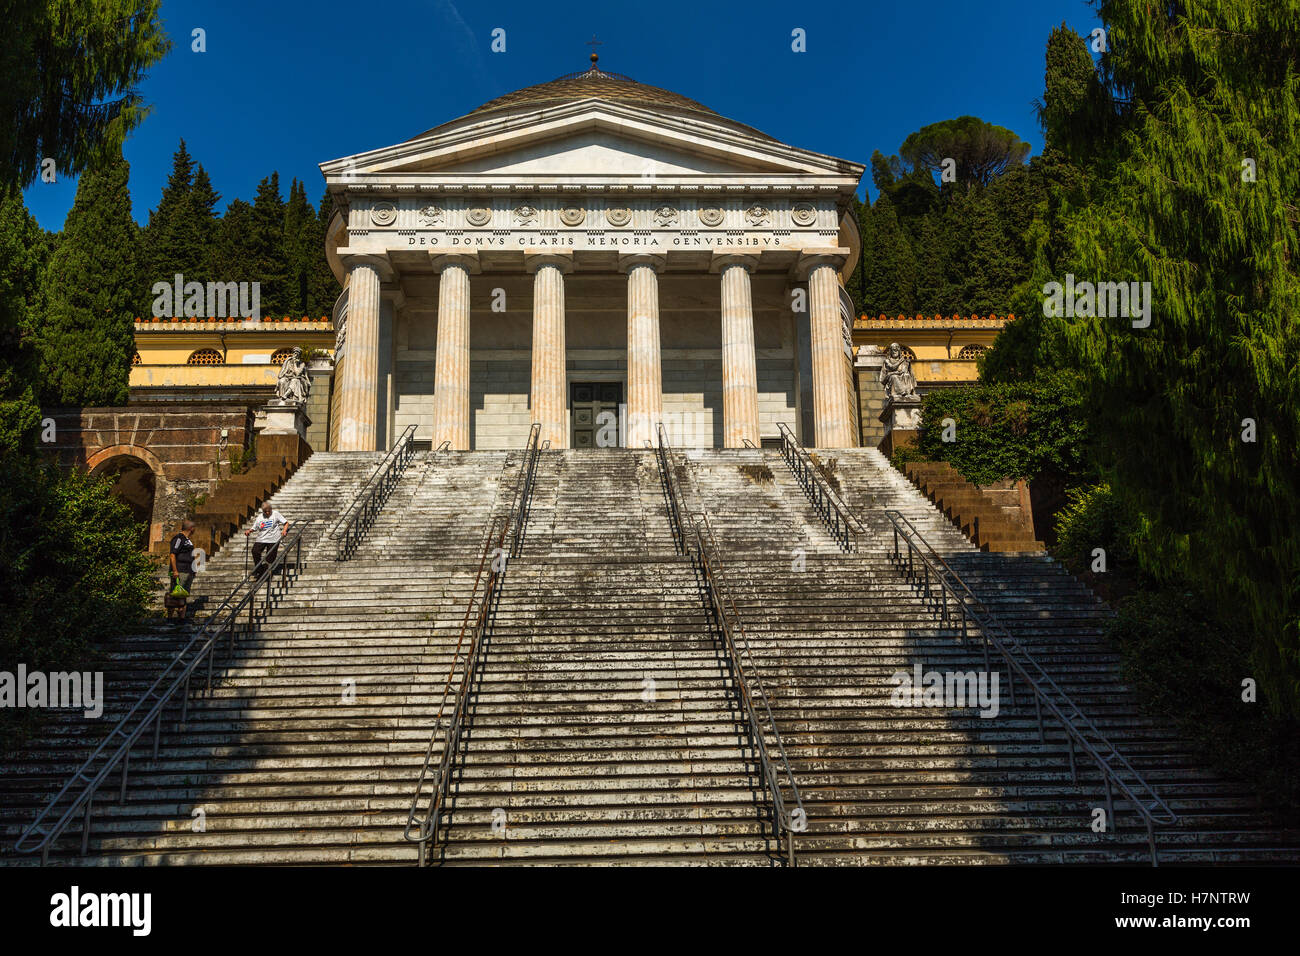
x=358 y=401
x=451 y=359
x=832 y=416
x=739 y=369
x=645 y=384
x=548 y=394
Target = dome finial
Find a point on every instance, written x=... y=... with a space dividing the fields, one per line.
x=593 y=43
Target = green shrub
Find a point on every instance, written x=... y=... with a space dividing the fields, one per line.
x=905 y=453
x=71 y=572
x=1093 y=517
x=1015 y=431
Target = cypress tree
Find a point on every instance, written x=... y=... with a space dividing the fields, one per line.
x=932 y=252
x=70 y=73
x=323 y=287
x=269 y=261
x=232 y=248
x=23 y=250
x=179 y=235
x=891 y=266
x=299 y=226
x=87 y=339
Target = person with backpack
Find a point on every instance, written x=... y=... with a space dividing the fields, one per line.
x=181 y=559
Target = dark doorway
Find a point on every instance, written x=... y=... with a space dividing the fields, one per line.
x=596 y=411
x=133 y=483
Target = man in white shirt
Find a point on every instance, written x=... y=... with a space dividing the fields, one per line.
x=270 y=527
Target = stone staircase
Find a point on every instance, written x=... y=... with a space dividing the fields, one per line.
x=885 y=784
x=603 y=725
x=991 y=517
x=261 y=744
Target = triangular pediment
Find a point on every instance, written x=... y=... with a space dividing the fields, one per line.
x=588 y=138
x=593 y=150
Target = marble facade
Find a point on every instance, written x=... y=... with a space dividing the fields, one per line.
x=592 y=232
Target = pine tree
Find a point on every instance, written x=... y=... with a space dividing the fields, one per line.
x=92 y=286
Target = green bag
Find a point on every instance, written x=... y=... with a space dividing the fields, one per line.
x=177 y=590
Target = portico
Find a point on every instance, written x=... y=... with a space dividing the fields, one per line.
x=592 y=230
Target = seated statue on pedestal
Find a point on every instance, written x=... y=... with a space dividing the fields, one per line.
x=294 y=383
x=896 y=375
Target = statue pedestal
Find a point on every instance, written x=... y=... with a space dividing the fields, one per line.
x=282 y=433
x=281 y=418
x=901 y=418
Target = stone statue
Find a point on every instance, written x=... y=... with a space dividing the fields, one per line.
x=294 y=383
x=896 y=375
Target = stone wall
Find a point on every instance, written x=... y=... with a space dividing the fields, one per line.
x=871 y=397
x=181 y=443
x=318 y=405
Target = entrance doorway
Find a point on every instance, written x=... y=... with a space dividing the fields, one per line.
x=596 y=409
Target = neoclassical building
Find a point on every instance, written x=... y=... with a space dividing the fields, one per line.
x=596 y=255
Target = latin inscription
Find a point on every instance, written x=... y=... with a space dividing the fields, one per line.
x=583 y=240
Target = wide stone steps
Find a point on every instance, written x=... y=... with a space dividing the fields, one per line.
x=572 y=755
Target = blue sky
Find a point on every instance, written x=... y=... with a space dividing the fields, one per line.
x=287 y=84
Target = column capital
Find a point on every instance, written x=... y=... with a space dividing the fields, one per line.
x=810 y=259
x=376 y=261
x=630 y=260
x=535 y=259
x=723 y=258
x=466 y=260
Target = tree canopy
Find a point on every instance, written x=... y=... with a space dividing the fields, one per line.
x=980 y=150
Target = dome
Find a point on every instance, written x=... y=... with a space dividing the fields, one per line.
x=588 y=84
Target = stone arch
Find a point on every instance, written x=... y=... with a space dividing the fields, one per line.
x=137 y=474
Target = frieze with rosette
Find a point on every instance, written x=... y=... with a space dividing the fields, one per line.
x=710 y=215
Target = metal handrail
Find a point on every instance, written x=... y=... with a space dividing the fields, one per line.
x=695 y=539
x=493 y=560
x=1116 y=772
x=352 y=526
x=181 y=669
x=840 y=520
